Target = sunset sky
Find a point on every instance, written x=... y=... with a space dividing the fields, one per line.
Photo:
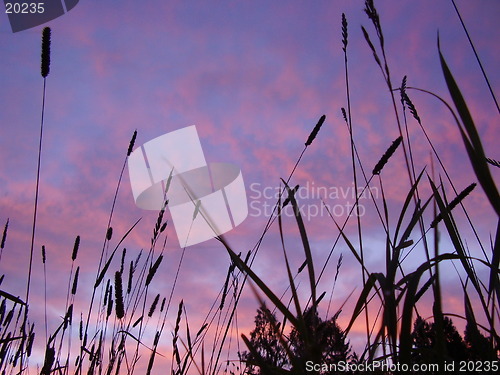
x=254 y=77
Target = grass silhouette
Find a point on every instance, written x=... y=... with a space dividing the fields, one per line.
x=126 y=320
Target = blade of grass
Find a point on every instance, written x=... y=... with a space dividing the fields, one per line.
x=494 y=285
x=471 y=138
x=291 y=281
x=305 y=242
x=360 y=305
x=262 y=286
x=406 y=204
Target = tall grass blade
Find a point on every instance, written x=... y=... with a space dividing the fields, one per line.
x=471 y=138
x=477 y=57
x=291 y=281
x=494 y=284
x=101 y=275
x=305 y=242
x=406 y=204
x=361 y=304
x=242 y=266
x=455 y=237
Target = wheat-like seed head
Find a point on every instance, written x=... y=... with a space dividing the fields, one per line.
x=387 y=155
x=45 y=66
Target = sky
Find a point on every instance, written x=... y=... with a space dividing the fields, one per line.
x=254 y=77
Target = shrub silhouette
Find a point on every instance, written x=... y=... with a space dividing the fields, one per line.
x=271 y=357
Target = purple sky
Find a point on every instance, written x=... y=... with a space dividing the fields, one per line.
x=254 y=77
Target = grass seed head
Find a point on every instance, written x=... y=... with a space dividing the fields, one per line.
x=459 y=198
x=4 y=235
x=405 y=99
x=493 y=162
x=74 y=254
x=315 y=131
x=45 y=66
x=109 y=233
x=124 y=253
x=44 y=257
x=50 y=355
x=119 y=308
x=131 y=144
x=387 y=155
x=75 y=281
x=344 y=114
x=130 y=276
x=110 y=302
x=153 y=270
x=344 y=32
x=153 y=306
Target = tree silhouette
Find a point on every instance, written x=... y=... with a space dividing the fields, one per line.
x=479 y=348
x=326 y=345
x=475 y=347
x=269 y=352
x=424 y=341
x=329 y=344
